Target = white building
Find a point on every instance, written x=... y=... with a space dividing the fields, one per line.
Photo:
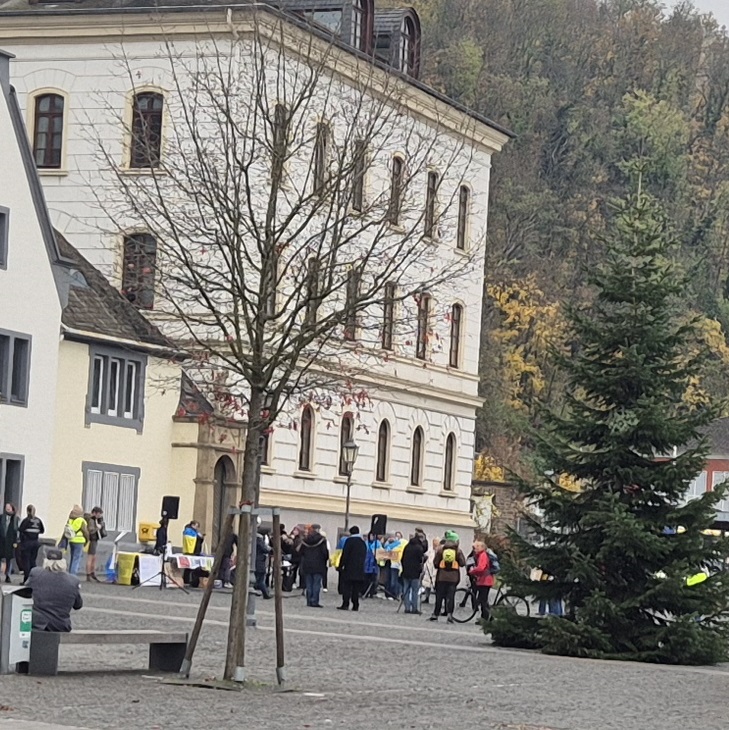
x=33 y=286
x=416 y=430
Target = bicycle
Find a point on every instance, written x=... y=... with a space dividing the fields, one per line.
x=466 y=603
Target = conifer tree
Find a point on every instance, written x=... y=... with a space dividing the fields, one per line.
x=620 y=551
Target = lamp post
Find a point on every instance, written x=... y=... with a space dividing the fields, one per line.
x=349 y=456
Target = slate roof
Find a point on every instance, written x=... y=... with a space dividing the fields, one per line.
x=718 y=435
x=192 y=402
x=81 y=7
x=389 y=21
x=97 y=308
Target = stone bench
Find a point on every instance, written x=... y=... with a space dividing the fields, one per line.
x=166 y=649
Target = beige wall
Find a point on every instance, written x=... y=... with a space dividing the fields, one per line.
x=163 y=469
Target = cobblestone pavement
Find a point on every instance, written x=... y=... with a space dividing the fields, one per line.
x=373 y=669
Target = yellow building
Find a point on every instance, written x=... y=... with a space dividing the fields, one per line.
x=130 y=427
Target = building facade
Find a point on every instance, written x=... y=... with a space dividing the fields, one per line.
x=415 y=424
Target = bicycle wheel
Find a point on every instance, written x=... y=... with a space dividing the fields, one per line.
x=514 y=603
x=465 y=606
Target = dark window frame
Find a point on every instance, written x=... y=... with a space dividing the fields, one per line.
x=417 y=457
x=454 y=350
x=115 y=359
x=409 y=48
x=431 y=201
x=359 y=174
x=4 y=236
x=421 y=338
x=346 y=433
x=145 y=148
x=139 y=250
x=15 y=387
x=464 y=205
x=49 y=156
x=306 y=438
x=313 y=266
x=321 y=158
x=354 y=281
x=382 y=462
x=388 y=316
x=397 y=176
x=19 y=459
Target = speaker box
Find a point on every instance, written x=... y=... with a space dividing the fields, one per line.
x=170 y=507
x=379 y=524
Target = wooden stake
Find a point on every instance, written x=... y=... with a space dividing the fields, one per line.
x=235 y=659
x=278 y=596
x=202 y=610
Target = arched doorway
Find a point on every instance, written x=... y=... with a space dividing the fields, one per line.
x=224 y=485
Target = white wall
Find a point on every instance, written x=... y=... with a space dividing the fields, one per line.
x=29 y=305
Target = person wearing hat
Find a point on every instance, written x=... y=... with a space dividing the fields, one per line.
x=448 y=561
x=76 y=532
x=55 y=593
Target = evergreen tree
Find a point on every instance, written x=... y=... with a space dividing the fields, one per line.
x=631 y=437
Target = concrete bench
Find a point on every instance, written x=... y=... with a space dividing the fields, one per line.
x=166 y=649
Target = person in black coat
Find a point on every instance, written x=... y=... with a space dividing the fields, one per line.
x=413 y=558
x=314 y=563
x=352 y=569
x=263 y=550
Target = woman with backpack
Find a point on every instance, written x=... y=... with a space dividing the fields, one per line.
x=448 y=561
x=482 y=576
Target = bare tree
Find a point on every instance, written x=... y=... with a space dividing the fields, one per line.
x=301 y=213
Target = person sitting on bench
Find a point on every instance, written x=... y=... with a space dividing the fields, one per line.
x=55 y=593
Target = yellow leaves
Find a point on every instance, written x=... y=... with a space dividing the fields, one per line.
x=487 y=470
x=709 y=336
x=569 y=483
x=529 y=324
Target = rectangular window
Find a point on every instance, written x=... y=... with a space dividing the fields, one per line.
x=114 y=489
x=359 y=169
x=353 y=284
x=321 y=150
x=396 y=188
x=430 y=202
x=454 y=355
x=388 y=316
x=14 y=368
x=421 y=345
x=116 y=388
x=312 y=292
x=4 y=236
x=11 y=479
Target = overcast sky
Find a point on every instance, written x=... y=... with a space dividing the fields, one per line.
x=719 y=8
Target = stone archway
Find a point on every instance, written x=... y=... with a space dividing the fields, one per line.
x=224 y=494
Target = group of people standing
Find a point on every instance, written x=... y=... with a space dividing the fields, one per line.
x=20 y=540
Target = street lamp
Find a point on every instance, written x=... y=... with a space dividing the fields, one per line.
x=349 y=455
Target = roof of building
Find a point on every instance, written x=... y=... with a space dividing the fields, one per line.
x=718 y=435
x=96 y=307
x=389 y=20
x=384 y=17
x=193 y=403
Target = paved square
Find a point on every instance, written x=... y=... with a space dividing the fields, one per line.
x=376 y=668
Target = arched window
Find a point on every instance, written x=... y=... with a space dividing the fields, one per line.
x=396 y=190
x=48 y=131
x=454 y=356
x=383 y=452
x=321 y=157
x=306 y=445
x=139 y=259
x=346 y=434
x=449 y=468
x=146 y=143
x=416 y=459
x=408 y=48
x=421 y=342
x=464 y=203
x=265 y=444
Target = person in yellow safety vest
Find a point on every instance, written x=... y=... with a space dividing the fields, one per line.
x=76 y=532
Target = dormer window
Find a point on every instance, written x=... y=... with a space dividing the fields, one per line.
x=409 y=48
x=331 y=19
x=361 y=25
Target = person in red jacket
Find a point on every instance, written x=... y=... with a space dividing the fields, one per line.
x=481 y=575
